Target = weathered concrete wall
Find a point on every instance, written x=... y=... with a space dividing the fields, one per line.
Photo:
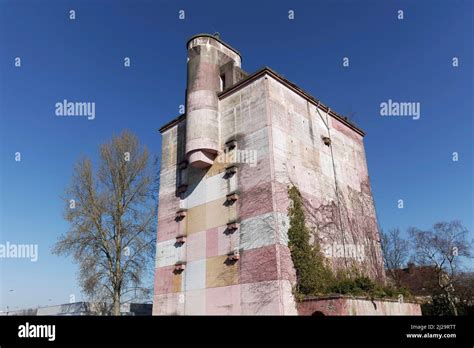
x=356 y=306
x=332 y=179
x=260 y=281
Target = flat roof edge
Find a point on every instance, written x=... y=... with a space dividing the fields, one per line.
x=266 y=70
x=172 y=123
x=261 y=72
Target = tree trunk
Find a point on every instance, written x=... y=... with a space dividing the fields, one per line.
x=116 y=303
x=452 y=303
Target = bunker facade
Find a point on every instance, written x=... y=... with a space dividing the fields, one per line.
x=227 y=164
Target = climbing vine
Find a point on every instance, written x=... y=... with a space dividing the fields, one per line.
x=313 y=276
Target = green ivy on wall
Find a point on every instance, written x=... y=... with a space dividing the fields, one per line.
x=313 y=276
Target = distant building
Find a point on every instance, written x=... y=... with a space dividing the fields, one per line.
x=419 y=280
x=84 y=308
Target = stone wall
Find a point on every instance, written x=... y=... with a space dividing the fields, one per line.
x=341 y=305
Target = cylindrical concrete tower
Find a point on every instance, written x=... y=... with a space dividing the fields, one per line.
x=206 y=56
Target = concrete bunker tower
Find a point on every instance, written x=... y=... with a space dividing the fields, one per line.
x=222 y=240
x=210 y=68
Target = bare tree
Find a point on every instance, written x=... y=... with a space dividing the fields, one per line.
x=442 y=247
x=396 y=251
x=112 y=214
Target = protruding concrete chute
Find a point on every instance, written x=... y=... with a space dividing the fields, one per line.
x=206 y=56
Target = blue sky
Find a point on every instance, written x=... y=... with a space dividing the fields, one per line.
x=82 y=60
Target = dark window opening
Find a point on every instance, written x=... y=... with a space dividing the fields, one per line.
x=222 y=81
